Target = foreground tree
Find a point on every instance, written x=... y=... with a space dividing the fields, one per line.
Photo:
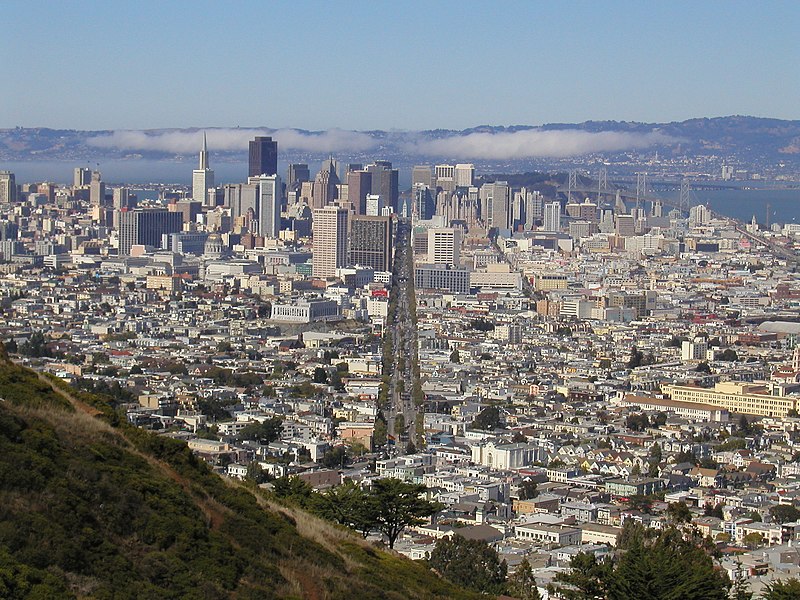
x=788 y=589
x=471 y=563
x=586 y=579
x=665 y=567
x=397 y=505
x=522 y=584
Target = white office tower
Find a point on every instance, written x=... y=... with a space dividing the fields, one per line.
x=444 y=246
x=699 y=215
x=329 y=232
x=528 y=208
x=464 y=175
x=268 y=204
x=445 y=177
x=496 y=205
x=375 y=205
x=8 y=187
x=97 y=190
x=202 y=177
x=552 y=217
x=81 y=176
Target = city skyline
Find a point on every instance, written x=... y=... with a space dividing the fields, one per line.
x=585 y=61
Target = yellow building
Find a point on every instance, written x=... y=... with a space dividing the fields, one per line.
x=736 y=396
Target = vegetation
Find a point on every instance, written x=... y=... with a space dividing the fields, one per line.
x=784 y=513
x=783 y=590
x=654 y=565
x=93 y=507
x=522 y=584
x=488 y=419
x=471 y=563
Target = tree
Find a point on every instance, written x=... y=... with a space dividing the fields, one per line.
x=320 y=375
x=265 y=432
x=678 y=513
x=398 y=504
x=455 y=357
x=784 y=513
x=753 y=540
x=664 y=567
x=470 y=563
x=788 y=589
x=522 y=584
x=335 y=458
x=349 y=505
x=637 y=422
x=224 y=346
x=294 y=490
x=488 y=418
x=740 y=589
x=527 y=489
x=636 y=358
x=255 y=473
x=586 y=579
x=729 y=355
x=713 y=510
x=703 y=367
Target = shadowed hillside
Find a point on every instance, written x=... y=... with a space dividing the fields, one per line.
x=91 y=508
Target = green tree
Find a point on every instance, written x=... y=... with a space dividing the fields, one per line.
x=455 y=357
x=586 y=579
x=753 y=540
x=399 y=504
x=522 y=584
x=488 y=418
x=335 y=458
x=294 y=490
x=784 y=513
x=703 y=367
x=741 y=587
x=349 y=505
x=665 y=567
x=320 y=375
x=255 y=473
x=471 y=563
x=527 y=489
x=678 y=513
x=264 y=432
x=788 y=589
x=729 y=354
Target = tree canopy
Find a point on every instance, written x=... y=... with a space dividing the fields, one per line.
x=471 y=563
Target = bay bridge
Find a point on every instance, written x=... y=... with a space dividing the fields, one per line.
x=575 y=189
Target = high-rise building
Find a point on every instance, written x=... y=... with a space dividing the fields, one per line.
x=445 y=177
x=444 y=246
x=8 y=187
x=146 y=227
x=263 y=157
x=424 y=205
x=268 y=205
x=81 y=176
x=371 y=242
x=422 y=174
x=375 y=205
x=552 y=217
x=464 y=175
x=496 y=205
x=359 y=184
x=97 y=190
x=385 y=182
x=329 y=231
x=297 y=174
x=203 y=177
x=324 y=191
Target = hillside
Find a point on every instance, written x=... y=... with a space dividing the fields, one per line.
x=93 y=508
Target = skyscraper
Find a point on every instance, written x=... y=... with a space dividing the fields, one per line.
x=422 y=174
x=263 y=157
x=324 y=191
x=146 y=227
x=329 y=232
x=8 y=187
x=371 y=242
x=359 y=184
x=268 y=205
x=496 y=205
x=464 y=174
x=97 y=190
x=297 y=174
x=202 y=177
x=385 y=182
x=444 y=246
x=81 y=176
x=552 y=217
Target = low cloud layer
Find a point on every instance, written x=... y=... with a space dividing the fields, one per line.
x=535 y=143
x=225 y=140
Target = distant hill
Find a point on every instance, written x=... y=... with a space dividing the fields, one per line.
x=746 y=140
x=91 y=507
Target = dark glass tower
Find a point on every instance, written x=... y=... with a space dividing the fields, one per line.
x=263 y=157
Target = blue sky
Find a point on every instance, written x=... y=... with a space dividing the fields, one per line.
x=401 y=65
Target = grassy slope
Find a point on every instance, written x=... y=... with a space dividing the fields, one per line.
x=94 y=510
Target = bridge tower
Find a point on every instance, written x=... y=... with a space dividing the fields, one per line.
x=641 y=190
x=572 y=185
x=683 y=201
x=602 y=185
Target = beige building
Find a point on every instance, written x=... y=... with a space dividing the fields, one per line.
x=330 y=241
x=737 y=396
